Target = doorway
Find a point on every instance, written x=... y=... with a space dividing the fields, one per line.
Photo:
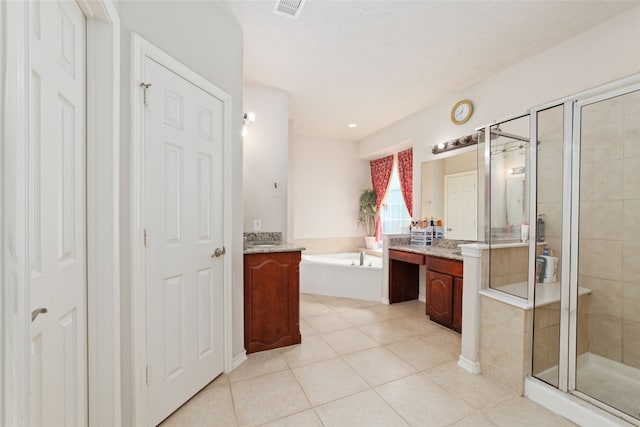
x=182 y=192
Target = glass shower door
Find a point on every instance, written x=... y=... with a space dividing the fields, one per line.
x=550 y=195
x=605 y=358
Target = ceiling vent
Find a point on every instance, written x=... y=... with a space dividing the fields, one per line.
x=288 y=8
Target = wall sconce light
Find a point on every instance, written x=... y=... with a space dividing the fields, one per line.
x=247 y=119
x=465 y=141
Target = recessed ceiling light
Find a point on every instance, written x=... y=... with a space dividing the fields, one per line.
x=352 y=125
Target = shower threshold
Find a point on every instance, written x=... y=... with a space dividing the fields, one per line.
x=610 y=382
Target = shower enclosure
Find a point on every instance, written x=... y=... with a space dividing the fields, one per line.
x=581 y=179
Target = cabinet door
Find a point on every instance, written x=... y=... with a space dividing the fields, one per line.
x=271 y=301
x=456 y=322
x=440 y=297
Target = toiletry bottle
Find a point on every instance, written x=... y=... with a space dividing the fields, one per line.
x=524 y=232
x=540 y=228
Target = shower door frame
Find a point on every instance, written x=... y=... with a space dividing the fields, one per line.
x=575 y=228
x=572 y=115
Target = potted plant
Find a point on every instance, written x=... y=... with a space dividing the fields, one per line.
x=367 y=217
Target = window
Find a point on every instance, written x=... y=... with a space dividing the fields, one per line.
x=394 y=213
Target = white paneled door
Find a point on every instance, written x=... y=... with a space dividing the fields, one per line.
x=183 y=185
x=461 y=205
x=57 y=215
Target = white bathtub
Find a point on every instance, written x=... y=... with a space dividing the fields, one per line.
x=341 y=275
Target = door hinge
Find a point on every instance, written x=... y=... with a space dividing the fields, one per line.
x=148 y=375
x=145 y=87
x=146 y=238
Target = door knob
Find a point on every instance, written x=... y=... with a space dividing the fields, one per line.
x=35 y=313
x=219 y=252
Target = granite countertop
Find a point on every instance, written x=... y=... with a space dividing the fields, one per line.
x=267 y=248
x=267 y=242
x=437 y=251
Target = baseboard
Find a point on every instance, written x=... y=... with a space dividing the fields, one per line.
x=385 y=301
x=239 y=360
x=466 y=364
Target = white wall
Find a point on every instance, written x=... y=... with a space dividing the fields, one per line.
x=606 y=53
x=266 y=159
x=206 y=38
x=328 y=177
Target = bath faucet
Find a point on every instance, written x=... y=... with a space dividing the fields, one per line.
x=362 y=258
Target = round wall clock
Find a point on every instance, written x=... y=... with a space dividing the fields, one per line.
x=461 y=112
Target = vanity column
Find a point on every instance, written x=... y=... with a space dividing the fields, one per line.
x=470 y=345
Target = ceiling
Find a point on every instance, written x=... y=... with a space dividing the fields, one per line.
x=374 y=62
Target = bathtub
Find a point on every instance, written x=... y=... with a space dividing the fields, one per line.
x=341 y=275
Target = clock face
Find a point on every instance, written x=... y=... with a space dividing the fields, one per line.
x=461 y=112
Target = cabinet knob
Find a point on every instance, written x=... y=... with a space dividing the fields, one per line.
x=449 y=229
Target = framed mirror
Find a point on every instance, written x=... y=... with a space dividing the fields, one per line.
x=449 y=192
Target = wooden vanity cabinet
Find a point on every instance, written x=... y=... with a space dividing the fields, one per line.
x=444 y=292
x=271 y=300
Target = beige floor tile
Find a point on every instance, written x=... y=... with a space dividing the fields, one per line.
x=333 y=372
x=322 y=298
x=339 y=305
x=328 y=323
x=378 y=365
x=519 y=411
x=418 y=324
x=362 y=409
x=386 y=332
x=221 y=380
x=415 y=305
x=349 y=341
x=391 y=311
x=308 y=297
x=261 y=363
x=444 y=339
x=312 y=308
x=312 y=349
x=422 y=402
x=476 y=389
x=306 y=330
x=211 y=407
x=328 y=380
x=419 y=354
x=306 y=418
x=361 y=316
x=474 y=420
x=267 y=398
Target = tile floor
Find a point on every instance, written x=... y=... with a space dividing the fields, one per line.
x=360 y=364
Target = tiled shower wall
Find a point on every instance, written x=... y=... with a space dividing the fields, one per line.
x=508 y=265
x=609 y=239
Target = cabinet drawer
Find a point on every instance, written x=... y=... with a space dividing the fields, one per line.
x=409 y=257
x=443 y=265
